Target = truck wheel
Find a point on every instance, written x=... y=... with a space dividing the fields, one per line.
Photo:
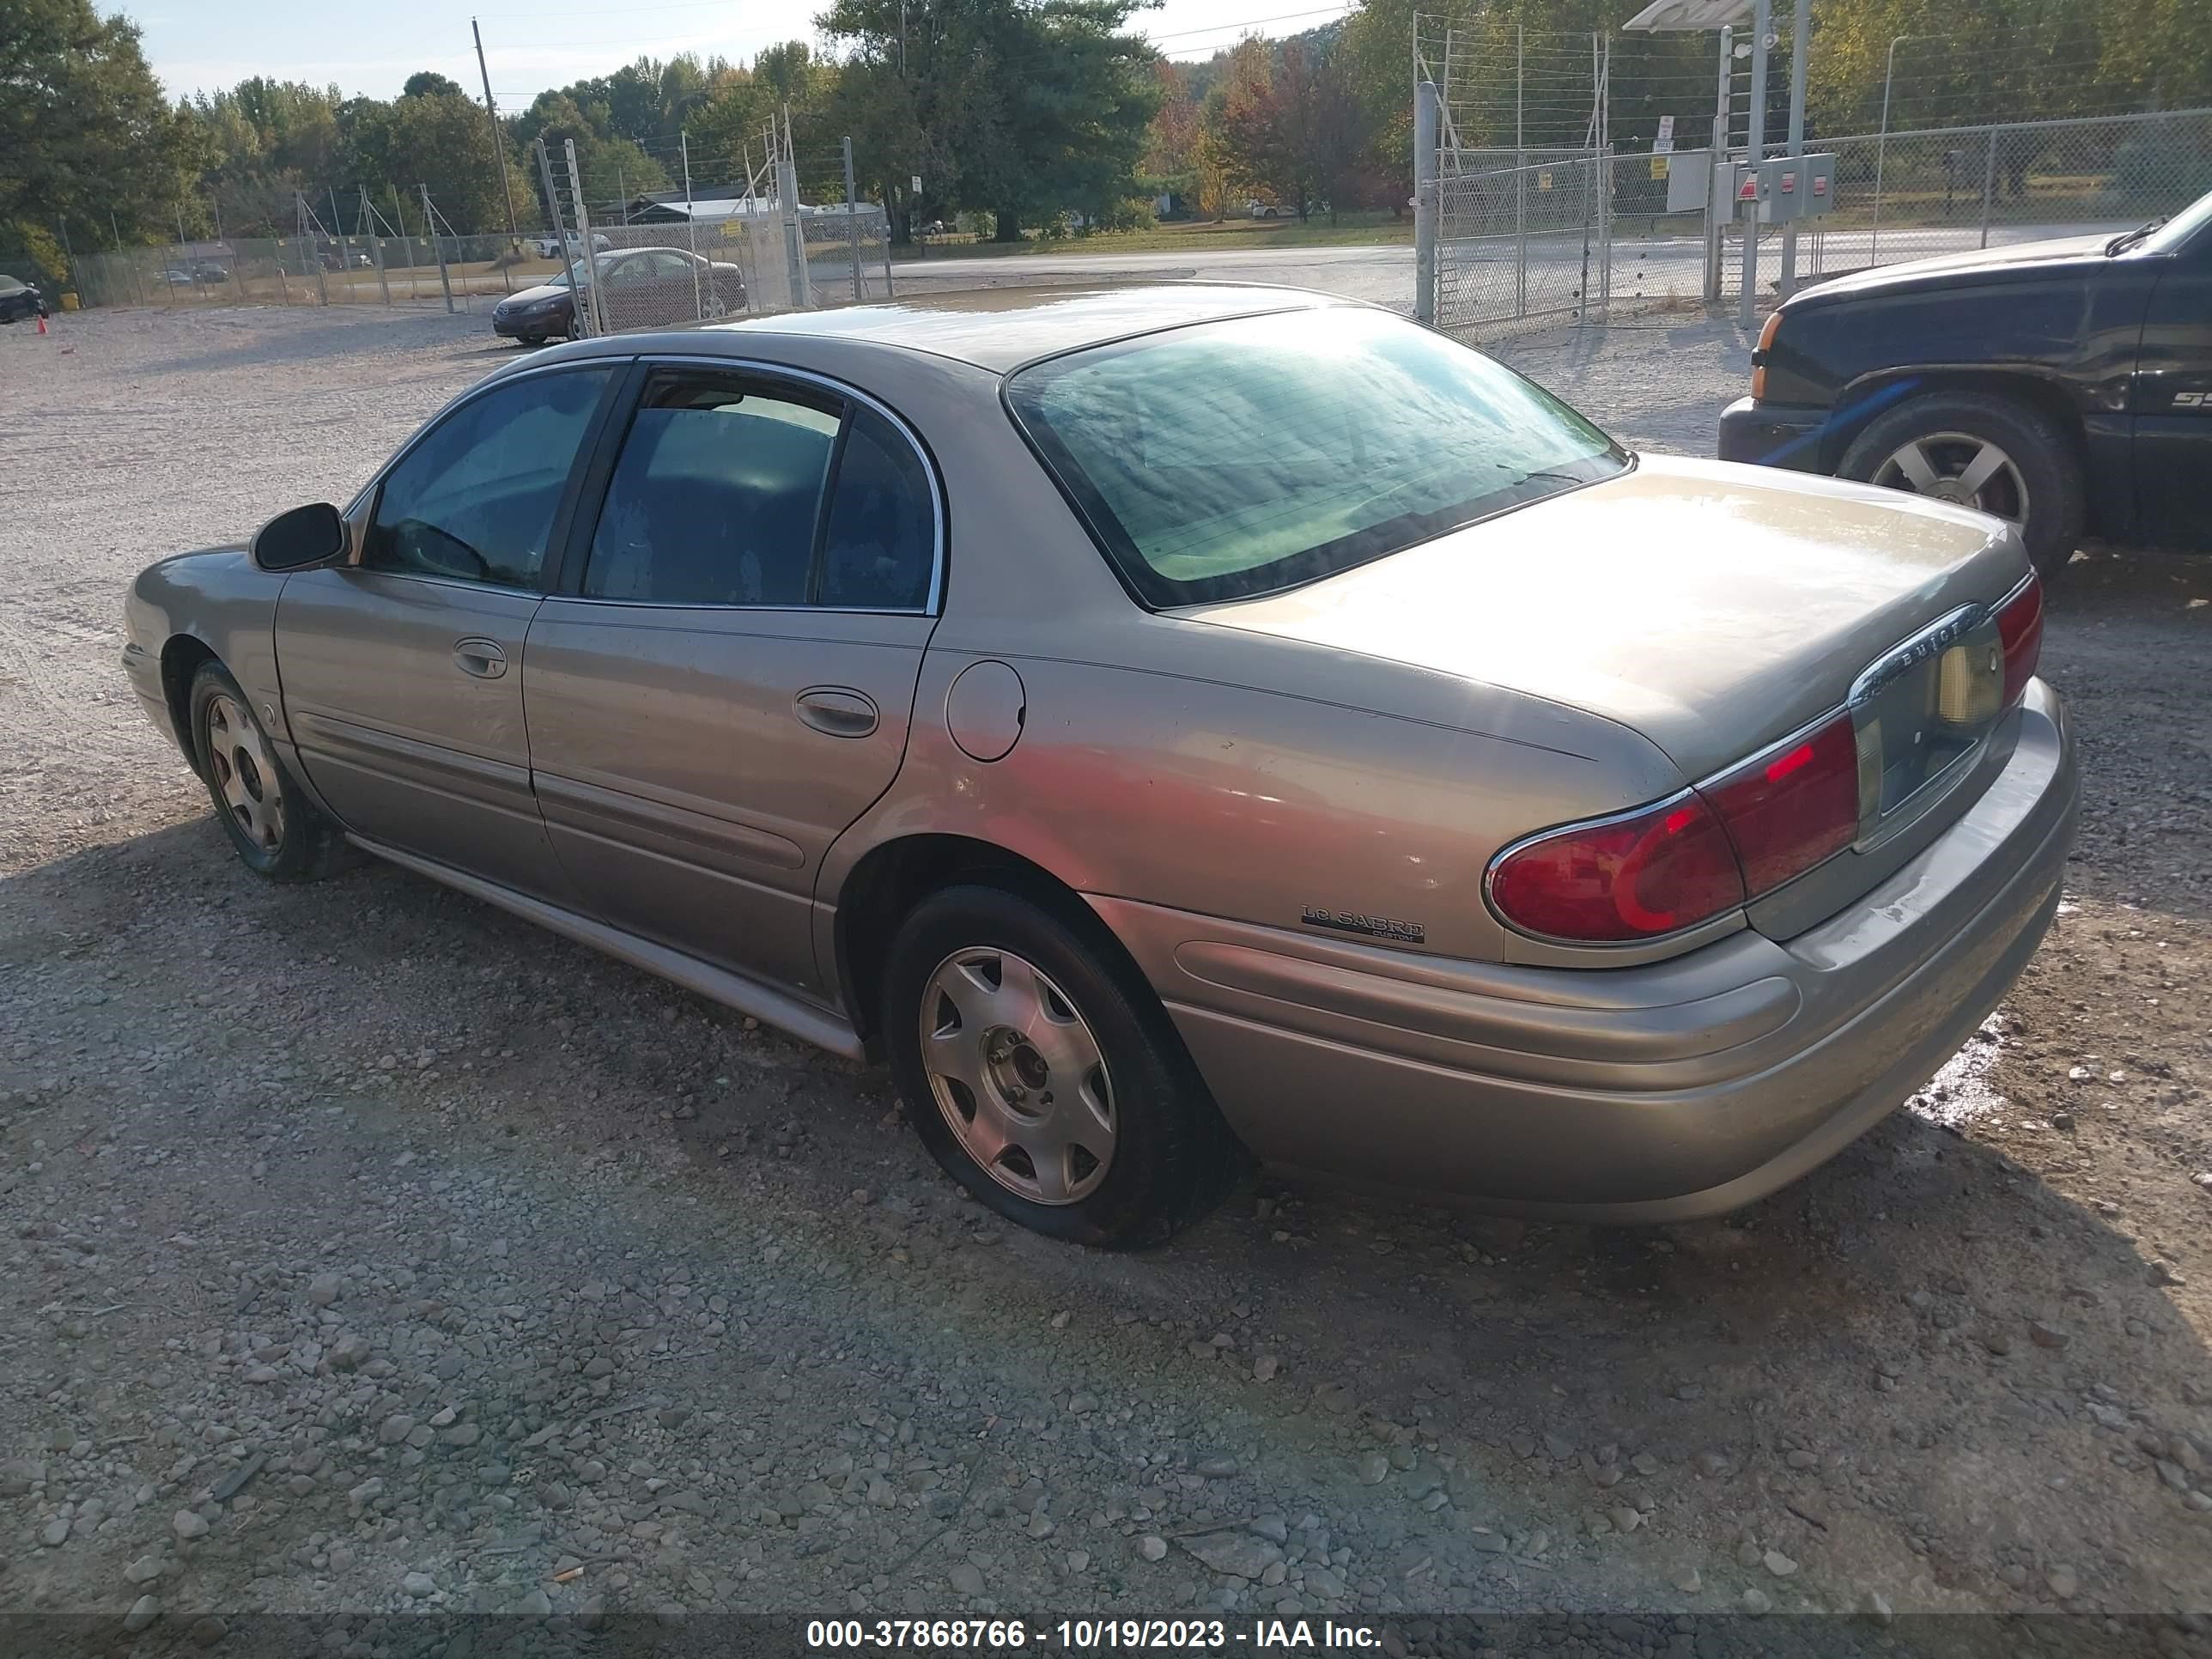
x=1983 y=451
x=1041 y=1072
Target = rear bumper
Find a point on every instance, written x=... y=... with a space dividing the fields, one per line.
x=1772 y=435
x=1685 y=1089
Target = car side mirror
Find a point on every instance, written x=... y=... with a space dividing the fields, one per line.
x=300 y=539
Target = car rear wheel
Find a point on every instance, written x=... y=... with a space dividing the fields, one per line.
x=1990 y=452
x=1043 y=1075
x=277 y=829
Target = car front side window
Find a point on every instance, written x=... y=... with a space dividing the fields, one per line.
x=475 y=499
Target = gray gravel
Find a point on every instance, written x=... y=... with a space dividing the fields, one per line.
x=365 y=1249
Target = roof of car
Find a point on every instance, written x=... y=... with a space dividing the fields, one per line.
x=1000 y=329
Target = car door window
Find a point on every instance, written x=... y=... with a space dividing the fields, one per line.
x=715 y=495
x=880 y=545
x=475 y=498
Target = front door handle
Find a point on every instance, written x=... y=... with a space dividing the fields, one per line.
x=838 y=710
x=485 y=659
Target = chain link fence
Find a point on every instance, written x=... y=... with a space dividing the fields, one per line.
x=1904 y=196
x=755 y=261
x=1520 y=245
x=369 y=271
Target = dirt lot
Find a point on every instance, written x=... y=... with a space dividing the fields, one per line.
x=365 y=1250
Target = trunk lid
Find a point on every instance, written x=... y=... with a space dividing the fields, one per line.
x=1712 y=608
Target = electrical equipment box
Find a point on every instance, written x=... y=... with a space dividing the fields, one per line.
x=1689 y=180
x=1786 y=187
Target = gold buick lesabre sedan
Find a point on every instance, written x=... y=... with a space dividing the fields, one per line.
x=1173 y=726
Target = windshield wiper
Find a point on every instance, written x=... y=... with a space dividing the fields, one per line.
x=2127 y=239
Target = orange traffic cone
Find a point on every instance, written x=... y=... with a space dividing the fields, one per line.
x=42 y=322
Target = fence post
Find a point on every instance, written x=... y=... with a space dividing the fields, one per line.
x=437 y=247
x=375 y=246
x=590 y=251
x=1720 y=198
x=1989 y=178
x=1520 y=172
x=1426 y=110
x=345 y=247
x=852 y=224
x=691 y=230
x=1801 y=30
x=1755 y=152
x=406 y=243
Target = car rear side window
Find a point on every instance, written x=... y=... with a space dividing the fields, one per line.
x=734 y=489
x=880 y=545
x=1231 y=458
x=714 y=498
x=475 y=500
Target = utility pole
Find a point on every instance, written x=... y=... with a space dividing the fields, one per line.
x=498 y=142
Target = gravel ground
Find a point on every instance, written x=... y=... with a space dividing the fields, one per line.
x=366 y=1250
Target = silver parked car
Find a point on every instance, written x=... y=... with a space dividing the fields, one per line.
x=1170 y=724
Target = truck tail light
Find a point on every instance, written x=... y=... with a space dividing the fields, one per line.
x=2020 y=630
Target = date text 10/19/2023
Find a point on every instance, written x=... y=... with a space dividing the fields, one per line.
x=1090 y=1636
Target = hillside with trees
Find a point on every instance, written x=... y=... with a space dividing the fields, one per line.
x=1019 y=113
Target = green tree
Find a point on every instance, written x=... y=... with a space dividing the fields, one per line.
x=428 y=83
x=84 y=128
x=1030 y=108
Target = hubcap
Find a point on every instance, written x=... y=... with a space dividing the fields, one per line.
x=1961 y=469
x=245 y=773
x=1018 y=1075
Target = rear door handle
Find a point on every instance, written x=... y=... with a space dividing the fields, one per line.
x=485 y=659
x=838 y=710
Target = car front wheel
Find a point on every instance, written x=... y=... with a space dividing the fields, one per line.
x=277 y=829
x=1990 y=452
x=1044 y=1076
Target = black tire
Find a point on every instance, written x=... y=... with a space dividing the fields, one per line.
x=1173 y=1157
x=305 y=846
x=2048 y=462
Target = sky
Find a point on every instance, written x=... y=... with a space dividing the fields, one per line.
x=370 y=49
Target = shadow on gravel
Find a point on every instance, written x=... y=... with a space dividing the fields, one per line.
x=1919 y=1365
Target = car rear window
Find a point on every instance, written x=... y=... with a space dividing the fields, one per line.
x=1237 y=458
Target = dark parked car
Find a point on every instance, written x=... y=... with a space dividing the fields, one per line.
x=20 y=300
x=2065 y=385
x=646 y=287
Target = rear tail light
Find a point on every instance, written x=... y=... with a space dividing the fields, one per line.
x=2019 y=630
x=1793 y=806
x=1621 y=879
x=1687 y=861
x=1738 y=836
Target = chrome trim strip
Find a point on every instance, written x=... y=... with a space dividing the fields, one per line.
x=1909 y=653
x=819 y=1026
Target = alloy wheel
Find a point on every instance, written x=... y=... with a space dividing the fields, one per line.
x=245 y=773
x=1960 y=468
x=1018 y=1076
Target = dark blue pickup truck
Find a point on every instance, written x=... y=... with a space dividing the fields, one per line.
x=2064 y=385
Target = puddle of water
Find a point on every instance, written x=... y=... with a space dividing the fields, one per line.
x=1962 y=1091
